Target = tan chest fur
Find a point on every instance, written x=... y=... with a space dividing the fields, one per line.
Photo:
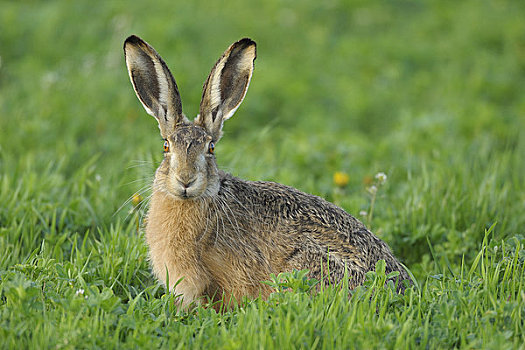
x=173 y=230
x=179 y=247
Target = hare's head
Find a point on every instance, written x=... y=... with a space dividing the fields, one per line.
x=189 y=169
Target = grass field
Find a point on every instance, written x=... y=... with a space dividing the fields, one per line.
x=429 y=92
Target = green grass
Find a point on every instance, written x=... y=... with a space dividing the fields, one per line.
x=429 y=92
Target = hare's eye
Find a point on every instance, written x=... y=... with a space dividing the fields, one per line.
x=166 y=146
x=211 y=147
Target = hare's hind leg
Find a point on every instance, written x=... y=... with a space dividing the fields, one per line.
x=327 y=267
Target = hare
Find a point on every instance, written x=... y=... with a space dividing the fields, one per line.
x=213 y=235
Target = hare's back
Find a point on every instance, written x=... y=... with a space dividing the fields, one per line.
x=271 y=203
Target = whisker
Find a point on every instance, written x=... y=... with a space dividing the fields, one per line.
x=143 y=189
x=135 y=181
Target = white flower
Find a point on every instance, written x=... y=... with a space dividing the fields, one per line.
x=79 y=292
x=98 y=177
x=381 y=177
x=372 y=189
x=363 y=213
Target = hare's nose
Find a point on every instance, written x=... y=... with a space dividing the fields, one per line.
x=186 y=183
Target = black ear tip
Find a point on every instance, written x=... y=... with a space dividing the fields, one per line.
x=133 y=39
x=245 y=42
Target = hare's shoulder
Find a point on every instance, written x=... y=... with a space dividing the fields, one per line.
x=288 y=203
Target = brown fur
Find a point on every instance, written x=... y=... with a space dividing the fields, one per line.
x=215 y=235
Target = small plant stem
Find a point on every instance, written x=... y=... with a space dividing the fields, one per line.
x=371 y=211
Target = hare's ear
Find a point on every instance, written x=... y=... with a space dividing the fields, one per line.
x=153 y=84
x=226 y=86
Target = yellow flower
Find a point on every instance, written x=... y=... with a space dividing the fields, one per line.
x=136 y=200
x=341 y=178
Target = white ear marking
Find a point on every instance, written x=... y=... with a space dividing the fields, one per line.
x=226 y=86
x=154 y=84
x=215 y=92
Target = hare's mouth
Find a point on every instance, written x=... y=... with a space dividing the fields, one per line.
x=187 y=195
x=184 y=194
x=187 y=188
